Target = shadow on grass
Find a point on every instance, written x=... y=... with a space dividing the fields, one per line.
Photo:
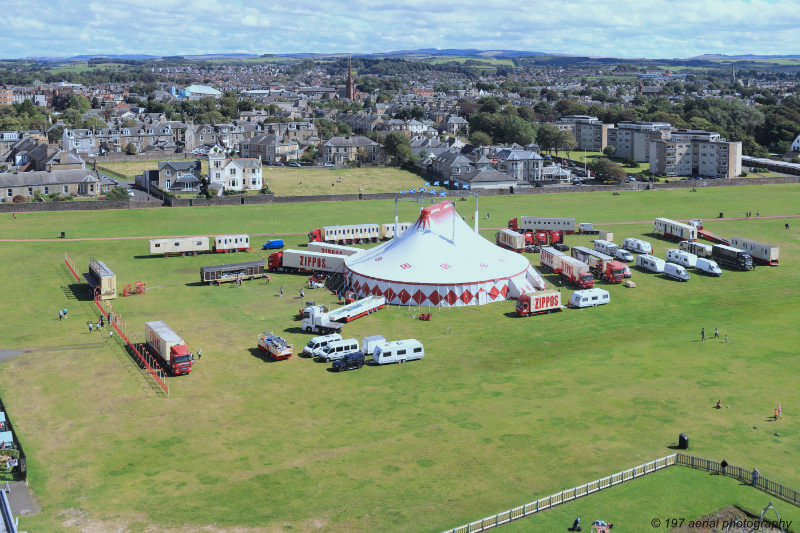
x=258 y=354
x=194 y=284
x=78 y=291
x=294 y=329
x=511 y=314
x=149 y=256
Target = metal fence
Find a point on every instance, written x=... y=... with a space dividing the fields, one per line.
x=565 y=496
x=750 y=477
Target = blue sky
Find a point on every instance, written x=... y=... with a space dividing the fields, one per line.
x=616 y=28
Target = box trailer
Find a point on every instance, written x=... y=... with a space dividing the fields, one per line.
x=587 y=228
x=219 y=274
x=731 y=257
x=526 y=224
x=387 y=230
x=576 y=272
x=601 y=265
x=102 y=281
x=536 y=303
x=346 y=234
x=305 y=261
x=763 y=253
x=179 y=246
x=550 y=259
x=224 y=244
x=276 y=347
x=336 y=249
x=672 y=229
x=606 y=235
x=168 y=347
x=510 y=240
x=697 y=248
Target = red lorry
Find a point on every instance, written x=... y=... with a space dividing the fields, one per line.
x=538 y=302
x=601 y=265
x=168 y=347
x=576 y=272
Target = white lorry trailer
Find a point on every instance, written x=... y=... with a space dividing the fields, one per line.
x=335 y=249
x=305 y=261
x=318 y=319
x=510 y=240
x=168 y=347
x=763 y=253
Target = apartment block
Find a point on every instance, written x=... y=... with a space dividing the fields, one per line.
x=633 y=138
x=696 y=153
x=590 y=134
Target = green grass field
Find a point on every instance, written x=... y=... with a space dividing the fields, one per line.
x=130 y=169
x=288 y=181
x=500 y=412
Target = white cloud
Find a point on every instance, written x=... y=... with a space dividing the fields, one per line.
x=658 y=28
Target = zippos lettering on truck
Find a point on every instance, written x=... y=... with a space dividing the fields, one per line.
x=545 y=301
x=312 y=262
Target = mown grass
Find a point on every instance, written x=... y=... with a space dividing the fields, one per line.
x=289 y=181
x=501 y=410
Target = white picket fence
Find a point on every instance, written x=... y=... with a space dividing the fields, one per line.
x=548 y=502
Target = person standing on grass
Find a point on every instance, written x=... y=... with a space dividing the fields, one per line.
x=280 y=292
x=703 y=334
x=90 y=327
x=726 y=337
x=199 y=353
x=716 y=333
x=780 y=411
x=60 y=315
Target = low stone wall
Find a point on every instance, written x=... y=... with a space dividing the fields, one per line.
x=89 y=205
x=114 y=157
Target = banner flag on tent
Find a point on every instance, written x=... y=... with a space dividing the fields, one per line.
x=447 y=182
x=443 y=193
x=427 y=184
x=402 y=192
x=436 y=183
x=412 y=190
x=465 y=186
x=422 y=190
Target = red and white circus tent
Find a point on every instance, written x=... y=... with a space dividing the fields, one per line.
x=441 y=261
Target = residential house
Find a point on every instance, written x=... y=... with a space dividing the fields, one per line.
x=486 y=178
x=343 y=150
x=78 y=182
x=456 y=125
x=524 y=166
x=234 y=174
x=451 y=165
x=270 y=148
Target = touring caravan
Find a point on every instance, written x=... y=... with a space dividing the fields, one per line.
x=648 y=262
x=681 y=257
x=589 y=298
x=638 y=246
x=398 y=351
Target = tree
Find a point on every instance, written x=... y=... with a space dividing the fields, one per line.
x=480 y=138
x=609 y=150
x=606 y=170
x=564 y=140
x=130 y=149
x=398 y=147
x=117 y=193
x=547 y=137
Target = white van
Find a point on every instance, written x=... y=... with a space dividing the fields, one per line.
x=682 y=258
x=708 y=266
x=338 y=349
x=605 y=247
x=671 y=270
x=398 y=352
x=638 y=246
x=623 y=255
x=316 y=344
x=589 y=298
x=648 y=262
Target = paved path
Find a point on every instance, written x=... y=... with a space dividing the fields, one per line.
x=21 y=501
x=628 y=222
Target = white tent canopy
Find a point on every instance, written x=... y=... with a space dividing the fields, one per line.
x=441 y=261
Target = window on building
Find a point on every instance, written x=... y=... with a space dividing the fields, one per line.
x=10 y=193
x=233 y=172
x=167 y=184
x=30 y=191
x=168 y=172
x=91 y=188
x=47 y=190
x=66 y=189
x=253 y=182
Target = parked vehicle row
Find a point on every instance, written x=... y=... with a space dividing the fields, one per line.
x=200 y=244
x=356 y=233
x=346 y=354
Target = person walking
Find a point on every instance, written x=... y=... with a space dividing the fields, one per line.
x=780 y=411
x=110 y=333
x=280 y=292
x=726 y=337
x=65 y=312
x=716 y=333
x=199 y=353
x=60 y=315
x=91 y=326
x=703 y=334
x=302 y=294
